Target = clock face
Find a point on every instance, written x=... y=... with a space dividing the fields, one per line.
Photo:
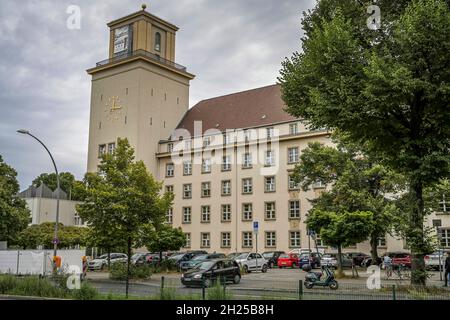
x=113 y=108
x=122 y=38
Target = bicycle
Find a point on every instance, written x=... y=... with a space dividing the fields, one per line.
x=401 y=272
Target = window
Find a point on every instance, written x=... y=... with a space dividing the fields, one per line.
x=247 y=185
x=101 y=150
x=206 y=214
x=226 y=213
x=247 y=135
x=77 y=220
x=187 y=215
x=226 y=163
x=444 y=205
x=226 y=240
x=206 y=141
x=319 y=241
x=206 y=189
x=158 y=42
x=206 y=240
x=226 y=187
x=247 y=212
x=187 y=191
x=293 y=128
x=206 y=166
x=292 y=184
x=382 y=241
x=111 y=147
x=269 y=185
x=445 y=237
x=188 y=240
x=293 y=155
x=294 y=239
x=247 y=161
x=169 y=216
x=187 y=168
x=188 y=145
x=294 y=209
x=318 y=185
x=270 y=211
x=269 y=161
x=269 y=132
x=169 y=189
x=170 y=170
x=169 y=147
x=226 y=139
x=271 y=239
x=247 y=239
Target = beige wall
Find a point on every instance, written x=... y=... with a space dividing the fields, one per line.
x=153 y=101
x=44 y=210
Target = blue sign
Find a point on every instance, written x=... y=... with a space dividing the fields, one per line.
x=255 y=226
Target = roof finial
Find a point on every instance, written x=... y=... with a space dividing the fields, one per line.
x=144 y=6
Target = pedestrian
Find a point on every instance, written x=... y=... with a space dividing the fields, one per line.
x=447 y=269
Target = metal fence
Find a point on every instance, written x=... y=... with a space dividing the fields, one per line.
x=171 y=289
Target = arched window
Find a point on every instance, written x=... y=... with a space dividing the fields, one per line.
x=158 y=41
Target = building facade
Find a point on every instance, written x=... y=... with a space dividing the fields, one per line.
x=228 y=160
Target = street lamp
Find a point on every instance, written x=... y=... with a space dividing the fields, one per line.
x=55 y=240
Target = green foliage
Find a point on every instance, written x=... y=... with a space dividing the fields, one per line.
x=218 y=292
x=86 y=292
x=118 y=271
x=43 y=234
x=14 y=215
x=7 y=283
x=163 y=237
x=67 y=182
x=387 y=89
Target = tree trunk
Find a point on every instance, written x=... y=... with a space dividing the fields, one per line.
x=416 y=234
x=340 y=260
x=109 y=258
x=128 y=266
x=160 y=258
x=374 y=248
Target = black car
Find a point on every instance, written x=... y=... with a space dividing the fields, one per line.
x=187 y=265
x=358 y=257
x=186 y=256
x=210 y=271
x=272 y=257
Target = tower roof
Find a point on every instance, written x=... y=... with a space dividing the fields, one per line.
x=252 y=108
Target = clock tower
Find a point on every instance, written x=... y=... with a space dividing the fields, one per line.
x=139 y=92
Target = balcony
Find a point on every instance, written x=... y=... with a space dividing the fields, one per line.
x=145 y=54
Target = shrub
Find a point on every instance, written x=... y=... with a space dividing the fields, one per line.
x=86 y=292
x=36 y=287
x=218 y=292
x=119 y=271
x=7 y=283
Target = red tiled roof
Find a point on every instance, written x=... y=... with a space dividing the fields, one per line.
x=252 y=108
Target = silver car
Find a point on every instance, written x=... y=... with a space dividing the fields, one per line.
x=102 y=261
x=250 y=261
x=331 y=260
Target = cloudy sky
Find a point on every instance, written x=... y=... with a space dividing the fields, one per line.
x=231 y=45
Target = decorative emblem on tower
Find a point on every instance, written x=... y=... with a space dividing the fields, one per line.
x=113 y=108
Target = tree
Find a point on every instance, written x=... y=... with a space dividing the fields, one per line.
x=43 y=234
x=122 y=199
x=163 y=238
x=68 y=183
x=359 y=183
x=14 y=215
x=388 y=89
x=340 y=229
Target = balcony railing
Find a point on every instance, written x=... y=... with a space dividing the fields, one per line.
x=145 y=54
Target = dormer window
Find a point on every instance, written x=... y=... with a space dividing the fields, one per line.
x=158 y=41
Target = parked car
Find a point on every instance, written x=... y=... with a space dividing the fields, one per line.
x=357 y=257
x=233 y=255
x=272 y=257
x=102 y=261
x=186 y=256
x=140 y=258
x=289 y=260
x=401 y=258
x=299 y=252
x=187 y=265
x=432 y=260
x=210 y=271
x=331 y=260
x=312 y=259
x=252 y=262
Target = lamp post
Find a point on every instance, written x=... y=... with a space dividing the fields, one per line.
x=55 y=240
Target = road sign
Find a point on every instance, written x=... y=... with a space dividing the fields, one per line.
x=55 y=241
x=255 y=226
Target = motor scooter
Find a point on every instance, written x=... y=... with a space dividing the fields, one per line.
x=315 y=278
